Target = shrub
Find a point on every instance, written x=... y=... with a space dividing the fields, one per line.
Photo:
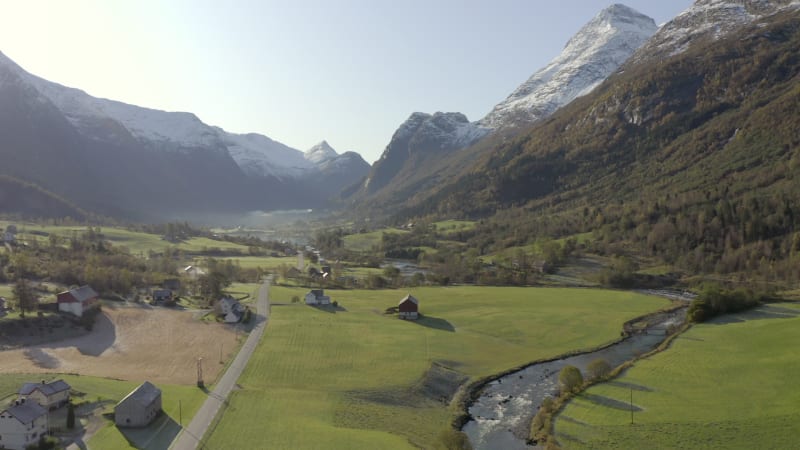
x=295 y=299
x=599 y=368
x=570 y=379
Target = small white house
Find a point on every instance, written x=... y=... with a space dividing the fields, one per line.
x=138 y=408
x=231 y=309
x=193 y=272
x=317 y=297
x=22 y=424
x=47 y=395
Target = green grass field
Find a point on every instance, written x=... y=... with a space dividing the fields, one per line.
x=728 y=384
x=265 y=262
x=364 y=242
x=451 y=226
x=136 y=242
x=356 y=378
x=176 y=401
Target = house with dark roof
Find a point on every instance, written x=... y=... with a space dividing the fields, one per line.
x=317 y=297
x=78 y=300
x=22 y=424
x=408 y=308
x=162 y=296
x=47 y=395
x=231 y=309
x=138 y=408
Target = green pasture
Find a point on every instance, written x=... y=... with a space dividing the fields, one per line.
x=353 y=377
x=136 y=242
x=265 y=262
x=726 y=384
x=452 y=226
x=364 y=242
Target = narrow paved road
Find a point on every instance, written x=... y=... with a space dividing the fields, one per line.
x=190 y=437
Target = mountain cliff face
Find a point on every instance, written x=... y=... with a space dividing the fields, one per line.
x=429 y=148
x=596 y=51
x=421 y=139
x=707 y=19
x=149 y=162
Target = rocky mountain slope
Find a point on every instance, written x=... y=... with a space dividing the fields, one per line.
x=714 y=123
x=707 y=20
x=590 y=56
x=427 y=149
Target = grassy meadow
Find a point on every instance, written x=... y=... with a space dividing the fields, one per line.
x=731 y=383
x=136 y=242
x=353 y=377
x=364 y=242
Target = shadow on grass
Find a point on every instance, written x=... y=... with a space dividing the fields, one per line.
x=571 y=420
x=760 y=313
x=608 y=402
x=625 y=385
x=434 y=322
x=330 y=308
x=156 y=436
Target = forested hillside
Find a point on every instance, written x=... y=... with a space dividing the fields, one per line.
x=694 y=159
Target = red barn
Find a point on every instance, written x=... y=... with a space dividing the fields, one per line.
x=408 y=308
x=78 y=300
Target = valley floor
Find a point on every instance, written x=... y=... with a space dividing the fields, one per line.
x=354 y=377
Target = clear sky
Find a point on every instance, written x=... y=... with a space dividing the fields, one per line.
x=300 y=71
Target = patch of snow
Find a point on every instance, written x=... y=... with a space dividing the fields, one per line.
x=320 y=153
x=707 y=18
x=590 y=56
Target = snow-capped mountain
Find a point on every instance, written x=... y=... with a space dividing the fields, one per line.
x=589 y=57
x=256 y=154
x=420 y=139
x=124 y=159
x=320 y=153
x=707 y=18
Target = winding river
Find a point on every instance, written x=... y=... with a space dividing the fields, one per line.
x=502 y=415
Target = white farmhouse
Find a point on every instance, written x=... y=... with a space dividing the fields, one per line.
x=22 y=424
x=47 y=395
x=317 y=297
x=78 y=300
x=138 y=408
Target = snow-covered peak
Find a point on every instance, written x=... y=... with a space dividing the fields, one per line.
x=259 y=155
x=320 y=153
x=448 y=129
x=707 y=18
x=590 y=56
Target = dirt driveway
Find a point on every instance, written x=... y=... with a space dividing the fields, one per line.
x=132 y=343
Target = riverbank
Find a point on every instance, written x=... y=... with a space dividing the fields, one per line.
x=499 y=409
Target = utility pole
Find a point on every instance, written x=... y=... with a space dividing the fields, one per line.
x=200 y=383
x=220 y=353
x=631 y=405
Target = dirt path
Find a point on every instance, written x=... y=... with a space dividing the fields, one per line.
x=131 y=343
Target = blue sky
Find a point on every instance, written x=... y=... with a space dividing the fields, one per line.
x=300 y=71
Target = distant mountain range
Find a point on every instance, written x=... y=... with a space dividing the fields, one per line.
x=428 y=148
x=129 y=161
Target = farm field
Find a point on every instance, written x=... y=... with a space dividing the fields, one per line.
x=352 y=377
x=729 y=383
x=136 y=242
x=363 y=242
x=265 y=262
x=132 y=343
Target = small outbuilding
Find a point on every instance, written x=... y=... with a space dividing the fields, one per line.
x=408 y=308
x=48 y=395
x=78 y=300
x=138 y=408
x=162 y=296
x=317 y=297
x=22 y=424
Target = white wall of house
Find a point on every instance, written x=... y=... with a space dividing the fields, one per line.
x=71 y=307
x=133 y=414
x=16 y=435
x=311 y=299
